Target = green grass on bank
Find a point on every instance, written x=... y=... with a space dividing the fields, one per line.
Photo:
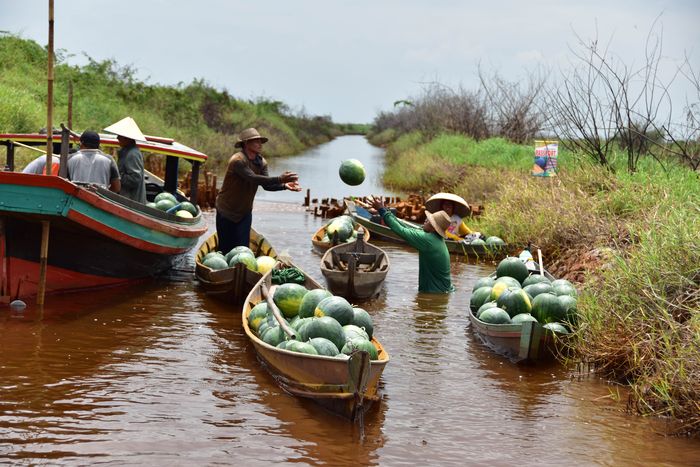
x=195 y=114
x=640 y=306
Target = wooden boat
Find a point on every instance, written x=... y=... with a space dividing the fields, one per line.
x=230 y=284
x=92 y=236
x=346 y=387
x=321 y=246
x=355 y=270
x=381 y=232
x=528 y=342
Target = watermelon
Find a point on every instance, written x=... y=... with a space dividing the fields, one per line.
x=358 y=344
x=273 y=336
x=165 y=204
x=510 y=281
x=477 y=241
x=352 y=172
x=215 y=262
x=297 y=323
x=311 y=300
x=257 y=315
x=521 y=318
x=165 y=195
x=536 y=279
x=288 y=298
x=569 y=304
x=514 y=301
x=262 y=327
x=495 y=315
x=547 y=308
x=325 y=327
x=535 y=289
x=494 y=241
x=189 y=207
x=502 y=284
x=238 y=249
x=512 y=267
x=484 y=282
x=337 y=308
x=183 y=214
x=351 y=331
x=211 y=254
x=558 y=328
x=479 y=297
x=342 y=229
x=563 y=287
x=151 y=204
x=246 y=259
x=347 y=218
x=363 y=320
x=265 y=263
x=301 y=347
x=485 y=306
x=324 y=347
x=283 y=344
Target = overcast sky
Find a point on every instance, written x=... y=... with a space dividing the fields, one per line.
x=348 y=59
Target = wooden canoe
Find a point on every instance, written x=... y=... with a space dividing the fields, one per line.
x=345 y=386
x=321 y=246
x=382 y=232
x=528 y=342
x=355 y=270
x=230 y=284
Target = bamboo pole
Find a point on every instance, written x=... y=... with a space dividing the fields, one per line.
x=49 y=106
x=70 y=104
x=43 y=259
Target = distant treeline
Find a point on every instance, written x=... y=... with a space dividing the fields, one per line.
x=197 y=114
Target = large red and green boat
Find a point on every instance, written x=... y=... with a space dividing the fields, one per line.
x=95 y=237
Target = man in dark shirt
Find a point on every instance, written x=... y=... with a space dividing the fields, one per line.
x=246 y=171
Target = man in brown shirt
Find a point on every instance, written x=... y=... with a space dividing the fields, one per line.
x=246 y=171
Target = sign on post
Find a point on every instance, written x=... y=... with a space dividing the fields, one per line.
x=545 y=158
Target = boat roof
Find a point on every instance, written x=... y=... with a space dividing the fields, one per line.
x=154 y=144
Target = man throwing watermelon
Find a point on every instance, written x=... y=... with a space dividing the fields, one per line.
x=246 y=171
x=433 y=257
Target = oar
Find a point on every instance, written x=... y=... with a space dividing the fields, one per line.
x=539 y=258
x=276 y=313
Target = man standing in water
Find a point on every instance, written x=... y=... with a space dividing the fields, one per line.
x=246 y=171
x=433 y=257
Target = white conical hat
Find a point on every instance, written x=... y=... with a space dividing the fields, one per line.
x=128 y=128
x=461 y=208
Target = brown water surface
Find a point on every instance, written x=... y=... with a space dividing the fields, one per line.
x=161 y=374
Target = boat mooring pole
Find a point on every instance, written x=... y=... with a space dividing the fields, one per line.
x=49 y=107
x=43 y=255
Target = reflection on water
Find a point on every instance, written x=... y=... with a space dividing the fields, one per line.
x=162 y=374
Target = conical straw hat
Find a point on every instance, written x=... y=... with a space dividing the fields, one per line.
x=461 y=208
x=128 y=128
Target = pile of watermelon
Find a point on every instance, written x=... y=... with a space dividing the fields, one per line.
x=217 y=260
x=325 y=324
x=514 y=296
x=167 y=202
x=342 y=226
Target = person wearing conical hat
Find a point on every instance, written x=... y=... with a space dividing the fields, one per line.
x=246 y=171
x=130 y=163
x=433 y=256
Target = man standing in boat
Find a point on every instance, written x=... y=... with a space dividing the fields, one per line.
x=90 y=165
x=130 y=161
x=433 y=257
x=246 y=171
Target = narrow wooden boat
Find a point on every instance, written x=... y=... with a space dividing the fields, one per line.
x=528 y=342
x=93 y=237
x=345 y=386
x=230 y=284
x=381 y=232
x=355 y=270
x=321 y=246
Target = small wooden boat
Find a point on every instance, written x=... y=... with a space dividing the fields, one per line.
x=230 y=284
x=355 y=270
x=528 y=342
x=346 y=387
x=84 y=236
x=381 y=232
x=321 y=246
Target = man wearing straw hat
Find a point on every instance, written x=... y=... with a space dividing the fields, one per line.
x=246 y=171
x=130 y=162
x=433 y=257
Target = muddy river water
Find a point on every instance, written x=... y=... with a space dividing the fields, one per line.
x=160 y=374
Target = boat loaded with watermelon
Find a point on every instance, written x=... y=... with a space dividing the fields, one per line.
x=521 y=311
x=230 y=276
x=83 y=236
x=492 y=247
x=339 y=230
x=314 y=344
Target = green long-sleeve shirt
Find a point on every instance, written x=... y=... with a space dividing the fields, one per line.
x=433 y=257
